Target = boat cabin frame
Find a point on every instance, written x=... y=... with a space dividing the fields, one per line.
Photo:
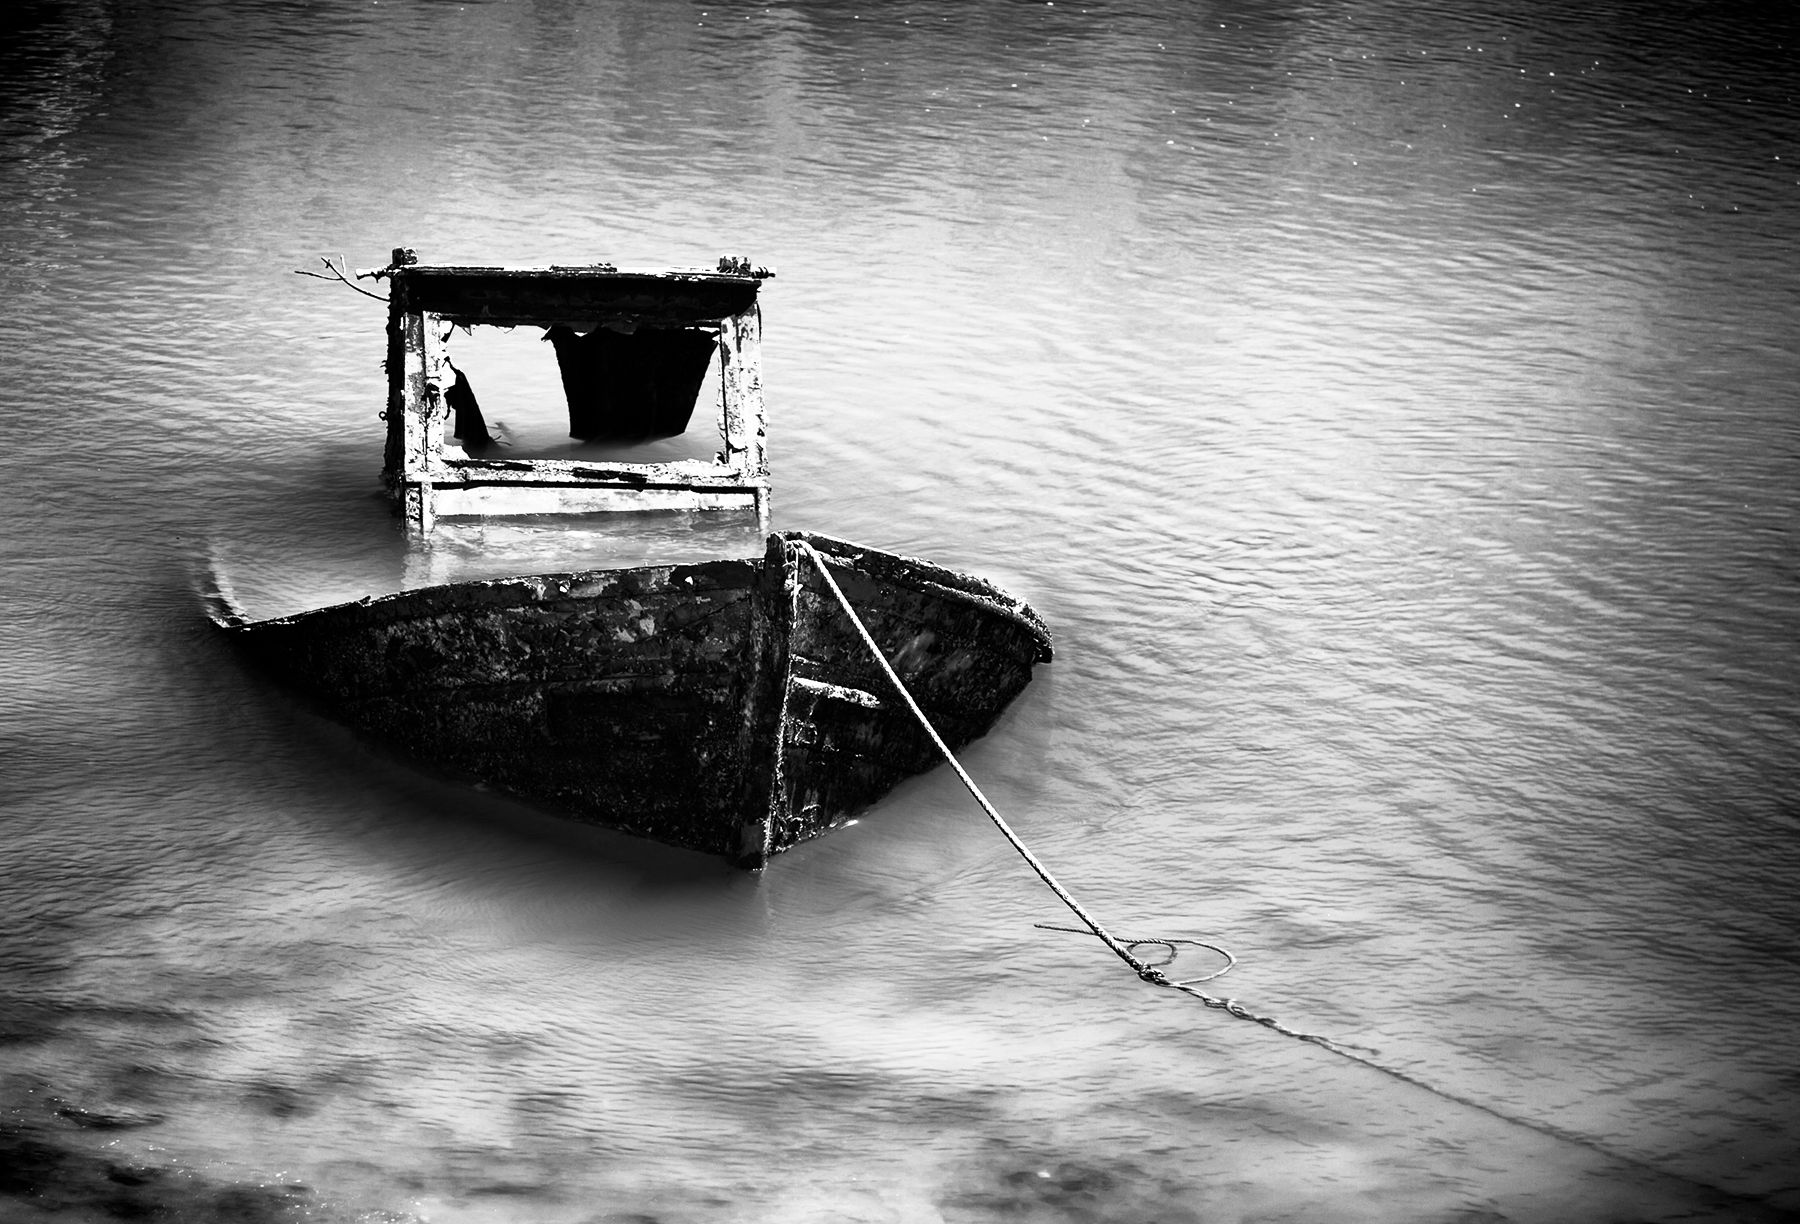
x=428 y=480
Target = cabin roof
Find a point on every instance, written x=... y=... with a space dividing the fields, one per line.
x=516 y=296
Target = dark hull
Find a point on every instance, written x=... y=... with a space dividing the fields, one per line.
x=727 y=707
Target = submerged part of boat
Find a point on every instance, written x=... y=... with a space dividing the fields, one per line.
x=728 y=706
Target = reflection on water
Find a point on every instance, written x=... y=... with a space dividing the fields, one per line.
x=1390 y=408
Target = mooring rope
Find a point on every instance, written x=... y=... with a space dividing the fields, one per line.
x=1143 y=970
x=1123 y=948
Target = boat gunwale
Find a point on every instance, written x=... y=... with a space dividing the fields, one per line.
x=547 y=587
x=940 y=580
x=470 y=592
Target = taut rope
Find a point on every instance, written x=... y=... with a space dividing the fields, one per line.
x=1143 y=970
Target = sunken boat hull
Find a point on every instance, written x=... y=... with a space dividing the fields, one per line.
x=728 y=707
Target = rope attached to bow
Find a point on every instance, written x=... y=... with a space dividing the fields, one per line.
x=1125 y=949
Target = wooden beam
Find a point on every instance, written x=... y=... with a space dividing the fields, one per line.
x=499 y=501
x=681 y=473
x=740 y=376
x=417 y=427
x=514 y=297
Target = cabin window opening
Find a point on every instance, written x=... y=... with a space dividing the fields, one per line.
x=582 y=390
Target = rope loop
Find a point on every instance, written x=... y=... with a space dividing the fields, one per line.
x=1135 y=944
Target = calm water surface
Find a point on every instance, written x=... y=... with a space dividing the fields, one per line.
x=1392 y=408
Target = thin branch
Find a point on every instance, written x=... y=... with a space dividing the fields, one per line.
x=337 y=276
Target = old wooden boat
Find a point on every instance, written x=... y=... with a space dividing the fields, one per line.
x=728 y=706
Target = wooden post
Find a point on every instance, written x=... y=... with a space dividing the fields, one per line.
x=439 y=378
x=740 y=378
x=421 y=440
x=420 y=509
x=392 y=464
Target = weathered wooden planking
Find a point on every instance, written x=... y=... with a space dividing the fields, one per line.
x=675 y=474
x=574 y=691
x=742 y=413
x=509 y=297
x=727 y=707
x=500 y=501
x=963 y=648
